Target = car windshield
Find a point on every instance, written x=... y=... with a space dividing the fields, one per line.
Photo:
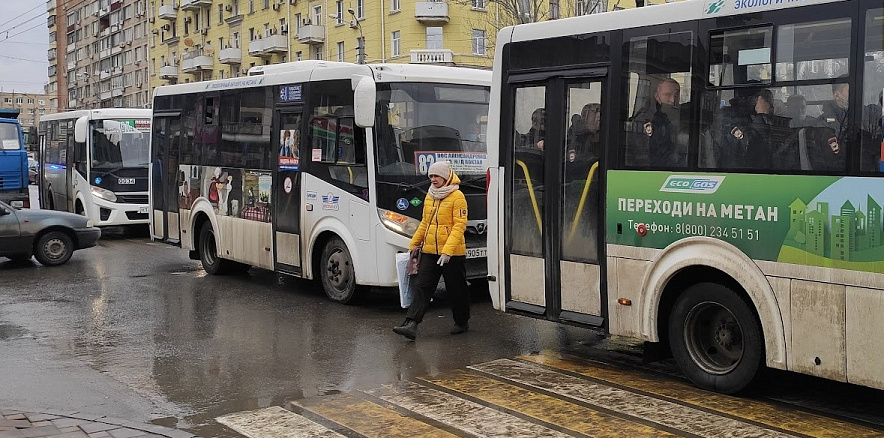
x=420 y=123
x=9 y=139
x=120 y=143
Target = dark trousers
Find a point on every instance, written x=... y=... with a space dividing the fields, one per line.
x=427 y=279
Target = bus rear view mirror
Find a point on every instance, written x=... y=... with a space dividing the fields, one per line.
x=81 y=128
x=364 y=97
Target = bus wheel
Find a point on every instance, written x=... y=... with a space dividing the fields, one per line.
x=208 y=249
x=716 y=338
x=80 y=210
x=53 y=248
x=337 y=272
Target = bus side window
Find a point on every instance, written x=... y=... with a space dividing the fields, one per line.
x=657 y=128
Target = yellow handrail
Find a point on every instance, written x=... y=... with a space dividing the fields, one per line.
x=586 y=185
x=351 y=174
x=531 y=193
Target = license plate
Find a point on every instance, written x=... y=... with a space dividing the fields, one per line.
x=126 y=180
x=474 y=253
x=143 y=209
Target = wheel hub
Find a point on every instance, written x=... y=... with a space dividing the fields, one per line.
x=54 y=248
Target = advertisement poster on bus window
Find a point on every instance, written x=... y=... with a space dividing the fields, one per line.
x=827 y=221
x=289 y=142
x=462 y=163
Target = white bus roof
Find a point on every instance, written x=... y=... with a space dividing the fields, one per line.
x=102 y=113
x=305 y=71
x=646 y=16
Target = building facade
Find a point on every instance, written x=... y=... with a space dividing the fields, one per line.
x=98 y=53
x=31 y=107
x=194 y=40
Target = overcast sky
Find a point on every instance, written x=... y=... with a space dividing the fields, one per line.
x=24 y=42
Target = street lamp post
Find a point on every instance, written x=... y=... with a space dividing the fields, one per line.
x=360 y=49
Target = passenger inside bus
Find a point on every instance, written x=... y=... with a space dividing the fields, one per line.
x=584 y=134
x=658 y=125
x=535 y=135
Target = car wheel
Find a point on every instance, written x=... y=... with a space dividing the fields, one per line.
x=337 y=272
x=53 y=248
x=208 y=249
x=716 y=338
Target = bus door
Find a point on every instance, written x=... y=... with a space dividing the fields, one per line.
x=166 y=177
x=554 y=224
x=287 y=185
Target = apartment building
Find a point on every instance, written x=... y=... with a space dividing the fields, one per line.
x=194 y=40
x=98 y=53
x=31 y=107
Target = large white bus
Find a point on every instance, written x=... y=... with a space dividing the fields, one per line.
x=706 y=178
x=315 y=169
x=94 y=163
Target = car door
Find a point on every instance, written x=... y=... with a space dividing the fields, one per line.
x=11 y=241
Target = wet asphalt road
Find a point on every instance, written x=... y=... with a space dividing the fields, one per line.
x=136 y=330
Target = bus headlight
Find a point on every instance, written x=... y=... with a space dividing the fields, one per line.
x=398 y=223
x=105 y=194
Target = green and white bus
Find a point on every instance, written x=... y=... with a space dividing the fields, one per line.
x=704 y=176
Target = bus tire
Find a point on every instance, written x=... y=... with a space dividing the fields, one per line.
x=716 y=338
x=53 y=248
x=208 y=249
x=79 y=209
x=337 y=273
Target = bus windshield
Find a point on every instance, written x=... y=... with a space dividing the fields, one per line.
x=420 y=123
x=120 y=143
x=9 y=139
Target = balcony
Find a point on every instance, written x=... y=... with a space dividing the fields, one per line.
x=168 y=12
x=192 y=62
x=72 y=65
x=172 y=40
x=51 y=4
x=433 y=56
x=117 y=71
x=275 y=44
x=195 y=5
x=311 y=34
x=256 y=47
x=431 y=12
x=117 y=92
x=169 y=72
x=105 y=95
x=104 y=75
x=230 y=55
x=72 y=103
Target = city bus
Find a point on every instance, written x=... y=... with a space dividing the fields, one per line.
x=316 y=169
x=94 y=163
x=706 y=179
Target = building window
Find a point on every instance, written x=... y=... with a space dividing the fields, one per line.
x=434 y=38
x=394 y=5
x=360 y=9
x=317 y=15
x=478 y=4
x=341 y=51
x=298 y=56
x=478 y=42
x=251 y=6
x=266 y=5
x=360 y=50
x=339 y=11
x=395 y=44
x=220 y=14
x=554 y=10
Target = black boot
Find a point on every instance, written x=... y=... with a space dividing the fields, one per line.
x=409 y=330
x=404 y=322
x=460 y=328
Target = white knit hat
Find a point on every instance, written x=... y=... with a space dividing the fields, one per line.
x=440 y=168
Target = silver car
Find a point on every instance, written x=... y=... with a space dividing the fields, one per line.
x=50 y=236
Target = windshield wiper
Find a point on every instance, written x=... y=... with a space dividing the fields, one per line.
x=406 y=186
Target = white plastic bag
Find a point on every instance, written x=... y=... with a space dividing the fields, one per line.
x=405 y=293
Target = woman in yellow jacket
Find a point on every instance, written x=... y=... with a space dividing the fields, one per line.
x=443 y=251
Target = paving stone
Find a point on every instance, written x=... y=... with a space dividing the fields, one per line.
x=14 y=422
x=77 y=434
x=7 y=411
x=15 y=416
x=91 y=428
x=2 y=428
x=41 y=423
x=62 y=423
x=11 y=433
x=35 y=417
x=35 y=432
x=101 y=434
x=125 y=433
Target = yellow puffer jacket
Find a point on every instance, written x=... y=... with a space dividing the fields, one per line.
x=444 y=223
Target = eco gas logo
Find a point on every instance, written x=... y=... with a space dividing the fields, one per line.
x=705 y=185
x=714 y=7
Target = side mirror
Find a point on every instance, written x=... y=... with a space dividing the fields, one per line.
x=81 y=130
x=364 y=98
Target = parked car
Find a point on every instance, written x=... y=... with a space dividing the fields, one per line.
x=50 y=236
x=32 y=170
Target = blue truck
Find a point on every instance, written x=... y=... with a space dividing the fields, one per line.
x=13 y=161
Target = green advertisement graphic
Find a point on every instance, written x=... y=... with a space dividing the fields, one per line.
x=807 y=220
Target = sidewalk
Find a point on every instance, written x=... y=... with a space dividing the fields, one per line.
x=21 y=424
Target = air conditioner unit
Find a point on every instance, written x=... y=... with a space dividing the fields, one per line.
x=128 y=43
x=228 y=8
x=150 y=20
x=167 y=27
x=154 y=31
x=284 y=29
x=122 y=45
x=204 y=31
x=276 y=6
x=305 y=22
x=187 y=19
x=354 y=24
